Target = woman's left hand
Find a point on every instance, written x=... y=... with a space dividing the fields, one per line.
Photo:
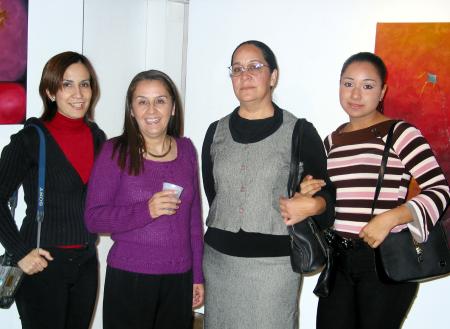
x=298 y=208
x=310 y=186
x=198 y=295
x=376 y=231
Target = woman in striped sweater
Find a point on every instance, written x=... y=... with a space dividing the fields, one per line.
x=359 y=298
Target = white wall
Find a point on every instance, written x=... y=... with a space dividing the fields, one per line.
x=311 y=40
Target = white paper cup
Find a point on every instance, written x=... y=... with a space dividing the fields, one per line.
x=170 y=186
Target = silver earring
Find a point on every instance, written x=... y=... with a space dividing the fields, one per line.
x=52 y=99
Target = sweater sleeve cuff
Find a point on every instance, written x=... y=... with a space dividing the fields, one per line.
x=197 y=269
x=415 y=227
x=325 y=219
x=21 y=253
x=198 y=276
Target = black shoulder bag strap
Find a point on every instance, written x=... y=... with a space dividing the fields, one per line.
x=294 y=180
x=384 y=161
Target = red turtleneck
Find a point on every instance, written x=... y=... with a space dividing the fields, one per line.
x=74 y=137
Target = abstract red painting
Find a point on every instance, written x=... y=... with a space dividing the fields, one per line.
x=417 y=56
x=13 y=60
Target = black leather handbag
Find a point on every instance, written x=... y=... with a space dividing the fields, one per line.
x=309 y=250
x=399 y=257
x=404 y=259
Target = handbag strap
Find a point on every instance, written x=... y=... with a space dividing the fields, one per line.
x=41 y=185
x=384 y=160
x=293 y=179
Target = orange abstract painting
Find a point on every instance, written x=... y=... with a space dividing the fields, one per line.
x=417 y=56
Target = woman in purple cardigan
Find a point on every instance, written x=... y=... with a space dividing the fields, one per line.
x=154 y=276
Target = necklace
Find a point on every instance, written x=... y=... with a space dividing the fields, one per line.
x=161 y=155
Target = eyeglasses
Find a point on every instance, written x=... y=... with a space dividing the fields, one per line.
x=252 y=68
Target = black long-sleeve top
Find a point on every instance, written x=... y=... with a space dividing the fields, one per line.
x=249 y=244
x=65 y=193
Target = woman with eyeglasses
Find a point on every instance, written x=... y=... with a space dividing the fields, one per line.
x=154 y=276
x=246 y=155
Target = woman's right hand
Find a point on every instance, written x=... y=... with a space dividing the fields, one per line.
x=310 y=186
x=35 y=261
x=163 y=203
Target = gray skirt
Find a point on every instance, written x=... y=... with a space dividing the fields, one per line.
x=250 y=293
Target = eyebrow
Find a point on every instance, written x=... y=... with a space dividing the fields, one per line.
x=68 y=80
x=160 y=96
x=368 y=79
x=250 y=61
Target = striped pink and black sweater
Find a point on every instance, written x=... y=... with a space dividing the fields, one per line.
x=353 y=163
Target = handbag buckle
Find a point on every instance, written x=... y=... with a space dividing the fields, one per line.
x=419 y=251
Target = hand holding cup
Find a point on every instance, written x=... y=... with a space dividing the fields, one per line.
x=165 y=202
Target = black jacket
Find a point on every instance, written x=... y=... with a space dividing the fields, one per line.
x=65 y=193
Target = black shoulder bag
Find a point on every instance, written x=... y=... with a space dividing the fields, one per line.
x=308 y=247
x=10 y=274
x=399 y=257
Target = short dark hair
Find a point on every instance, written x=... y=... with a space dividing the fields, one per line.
x=371 y=58
x=268 y=54
x=53 y=75
x=130 y=144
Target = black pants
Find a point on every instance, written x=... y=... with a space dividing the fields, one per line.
x=63 y=295
x=359 y=300
x=142 y=301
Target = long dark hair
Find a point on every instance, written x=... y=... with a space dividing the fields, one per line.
x=52 y=77
x=130 y=145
